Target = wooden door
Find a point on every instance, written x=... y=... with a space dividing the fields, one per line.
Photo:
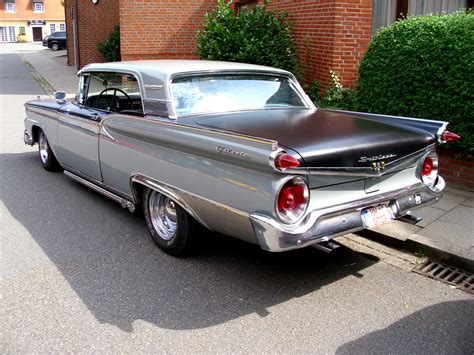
x=37 y=34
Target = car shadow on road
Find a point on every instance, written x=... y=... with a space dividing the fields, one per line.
x=107 y=257
x=444 y=328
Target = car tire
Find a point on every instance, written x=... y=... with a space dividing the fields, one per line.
x=170 y=226
x=55 y=47
x=46 y=155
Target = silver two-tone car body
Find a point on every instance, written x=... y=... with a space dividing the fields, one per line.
x=149 y=126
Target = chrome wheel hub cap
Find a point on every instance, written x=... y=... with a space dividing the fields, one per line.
x=43 y=148
x=163 y=215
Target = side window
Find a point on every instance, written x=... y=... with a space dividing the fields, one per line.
x=115 y=92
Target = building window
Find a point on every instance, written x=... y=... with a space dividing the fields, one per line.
x=9 y=7
x=62 y=27
x=386 y=12
x=21 y=31
x=423 y=7
x=37 y=7
x=7 y=34
x=52 y=28
x=239 y=4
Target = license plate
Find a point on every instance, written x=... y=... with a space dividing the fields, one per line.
x=376 y=215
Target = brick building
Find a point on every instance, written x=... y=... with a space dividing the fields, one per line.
x=330 y=34
x=30 y=20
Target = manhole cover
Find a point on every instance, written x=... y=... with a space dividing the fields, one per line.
x=447 y=274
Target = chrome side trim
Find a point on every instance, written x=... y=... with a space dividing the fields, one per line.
x=177 y=124
x=123 y=202
x=164 y=189
x=378 y=115
x=107 y=133
x=175 y=192
x=398 y=164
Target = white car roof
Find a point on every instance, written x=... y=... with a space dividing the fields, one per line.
x=163 y=69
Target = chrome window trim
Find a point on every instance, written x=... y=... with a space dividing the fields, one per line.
x=120 y=71
x=304 y=98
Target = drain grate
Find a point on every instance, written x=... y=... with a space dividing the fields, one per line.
x=447 y=274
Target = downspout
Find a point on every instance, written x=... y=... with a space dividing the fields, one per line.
x=75 y=35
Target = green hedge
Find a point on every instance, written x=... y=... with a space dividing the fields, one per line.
x=255 y=36
x=423 y=67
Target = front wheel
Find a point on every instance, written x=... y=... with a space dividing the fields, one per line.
x=48 y=160
x=55 y=47
x=171 y=227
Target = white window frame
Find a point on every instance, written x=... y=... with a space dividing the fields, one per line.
x=52 y=28
x=62 y=27
x=10 y=7
x=38 y=7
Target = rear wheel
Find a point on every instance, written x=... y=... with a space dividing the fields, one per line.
x=171 y=227
x=48 y=160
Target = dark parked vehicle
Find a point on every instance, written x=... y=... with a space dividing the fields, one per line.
x=57 y=40
x=45 y=41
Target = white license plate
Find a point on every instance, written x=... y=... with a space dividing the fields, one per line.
x=376 y=215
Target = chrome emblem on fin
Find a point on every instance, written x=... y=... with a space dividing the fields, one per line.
x=375 y=158
x=230 y=151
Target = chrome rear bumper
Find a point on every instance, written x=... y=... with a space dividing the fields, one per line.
x=321 y=225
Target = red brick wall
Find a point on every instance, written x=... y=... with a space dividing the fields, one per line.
x=152 y=29
x=330 y=35
x=94 y=24
x=456 y=168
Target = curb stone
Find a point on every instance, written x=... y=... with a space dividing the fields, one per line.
x=417 y=244
x=42 y=82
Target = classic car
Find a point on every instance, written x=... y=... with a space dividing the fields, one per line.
x=234 y=148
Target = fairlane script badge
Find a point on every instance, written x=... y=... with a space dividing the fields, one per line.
x=230 y=151
x=376 y=158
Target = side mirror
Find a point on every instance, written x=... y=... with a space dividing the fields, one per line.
x=59 y=95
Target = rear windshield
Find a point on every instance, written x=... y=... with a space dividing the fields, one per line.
x=226 y=93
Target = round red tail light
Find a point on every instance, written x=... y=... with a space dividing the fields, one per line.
x=429 y=169
x=290 y=197
x=292 y=200
x=427 y=166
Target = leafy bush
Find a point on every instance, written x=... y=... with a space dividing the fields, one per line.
x=110 y=48
x=314 y=92
x=423 y=67
x=336 y=96
x=255 y=36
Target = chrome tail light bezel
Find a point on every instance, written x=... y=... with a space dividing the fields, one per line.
x=290 y=217
x=430 y=179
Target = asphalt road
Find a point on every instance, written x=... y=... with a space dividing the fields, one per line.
x=80 y=274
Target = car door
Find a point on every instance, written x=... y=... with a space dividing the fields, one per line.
x=78 y=134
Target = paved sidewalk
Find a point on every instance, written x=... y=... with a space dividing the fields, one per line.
x=52 y=66
x=446 y=232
